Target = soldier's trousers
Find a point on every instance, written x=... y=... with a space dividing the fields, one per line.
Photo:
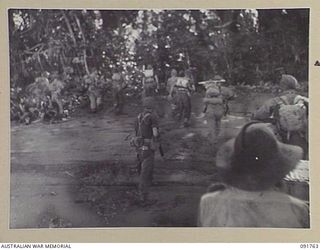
x=145 y=170
x=174 y=107
x=298 y=139
x=95 y=100
x=215 y=114
x=150 y=89
x=183 y=102
x=118 y=100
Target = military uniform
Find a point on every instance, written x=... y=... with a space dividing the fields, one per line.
x=94 y=91
x=215 y=106
x=117 y=92
x=267 y=113
x=250 y=166
x=234 y=207
x=216 y=101
x=170 y=83
x=150 y=83
x=55 y=89
x=183 y=90
x=27 y=108
x=144 y=125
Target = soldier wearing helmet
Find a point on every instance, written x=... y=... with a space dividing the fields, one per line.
x=289 y=106
x=146 y=137
x=215 y=101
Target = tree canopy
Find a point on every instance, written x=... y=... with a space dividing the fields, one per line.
x=244 y=46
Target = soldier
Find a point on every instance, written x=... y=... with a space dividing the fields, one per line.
x=214 y=101
x=147 y=136
x=39 y=92
x=183 y=90
x=172 y=79
x=150 y=82
x=227 y=93
x=287 y=113
x=171 y=82
x=56 y=87
x=94 y=90
x=118 y=87
x=250 y=166
x=26 y=107
x=189 y=75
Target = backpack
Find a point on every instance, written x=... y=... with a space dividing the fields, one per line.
x=290 y=117
x=148 y=73
x=213 y=91
x=182 y=84
x=149 y=76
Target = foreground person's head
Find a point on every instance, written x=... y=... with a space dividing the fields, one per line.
x=255 y=160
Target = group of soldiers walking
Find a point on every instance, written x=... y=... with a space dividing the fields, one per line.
x=181 y=86
x=286 y=114
x=253 y=166
x=96 y=85
x=43 y=99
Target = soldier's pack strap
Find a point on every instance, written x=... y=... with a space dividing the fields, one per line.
x=182 y=84
x=284 y=101
x=141 y=119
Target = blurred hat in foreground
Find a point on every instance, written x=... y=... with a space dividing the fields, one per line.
x=255 y=160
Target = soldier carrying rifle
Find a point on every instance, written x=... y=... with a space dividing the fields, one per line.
x=146 y=141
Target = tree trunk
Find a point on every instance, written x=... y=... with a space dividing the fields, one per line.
x=69 y=28
x=85 y=61
x=225 y=56
x=84 y=43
